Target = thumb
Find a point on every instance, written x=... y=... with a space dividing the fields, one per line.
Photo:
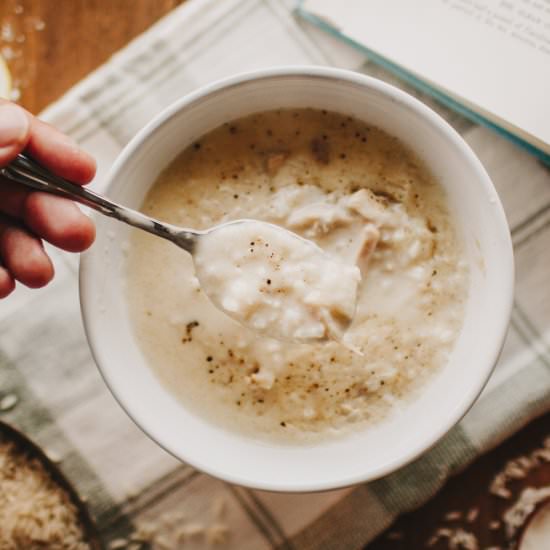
x=14 y=131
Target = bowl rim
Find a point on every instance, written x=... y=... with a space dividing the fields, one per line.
x=501 y=321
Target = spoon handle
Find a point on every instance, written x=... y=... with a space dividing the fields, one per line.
x=26 y=171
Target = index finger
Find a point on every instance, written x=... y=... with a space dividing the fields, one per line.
x=58 y=152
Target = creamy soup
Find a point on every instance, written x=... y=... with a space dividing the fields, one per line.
x=371 y=206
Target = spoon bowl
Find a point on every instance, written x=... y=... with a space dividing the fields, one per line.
x=275 y=282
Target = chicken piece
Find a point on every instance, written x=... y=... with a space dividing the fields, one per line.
x=319 y=217
x=365 y=203
x=289 y=198
x=366 y=245
x=274 y=161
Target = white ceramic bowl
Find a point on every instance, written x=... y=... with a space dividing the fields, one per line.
x=367 y=454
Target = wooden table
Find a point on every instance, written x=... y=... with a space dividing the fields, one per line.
x=66 y=39
x=470 y=491
x=63 y=41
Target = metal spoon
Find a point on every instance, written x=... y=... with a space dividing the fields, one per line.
x=28 y=172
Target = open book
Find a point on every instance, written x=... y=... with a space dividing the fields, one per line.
x=488 y=59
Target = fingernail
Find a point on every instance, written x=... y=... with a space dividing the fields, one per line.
x=14 y=125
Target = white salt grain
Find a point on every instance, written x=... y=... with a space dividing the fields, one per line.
x=6 y=32
x=163 y=543
x=145 y=532
x=458 y=539
x=15 y=94
x=541 y=455
x=514 y=470
x=515 y=516
x=218 y=533
x=8 y=402
x=472 y=515
x=463 y=540
x=54 y=456
x=8 y=53
x=525 y=462
x=454 y=515
x=116 y=544
x=498 y=486
x=432 y=541
x=441 y=533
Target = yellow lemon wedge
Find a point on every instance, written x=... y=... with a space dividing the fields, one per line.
x=5 y=79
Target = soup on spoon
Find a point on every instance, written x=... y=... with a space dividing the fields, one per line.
x=276 y=282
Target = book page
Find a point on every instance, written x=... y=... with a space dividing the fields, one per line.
x=492 y=55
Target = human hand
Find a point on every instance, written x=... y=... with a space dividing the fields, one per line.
x=27 y=217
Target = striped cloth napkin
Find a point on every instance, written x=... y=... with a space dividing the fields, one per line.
x=130 y=483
